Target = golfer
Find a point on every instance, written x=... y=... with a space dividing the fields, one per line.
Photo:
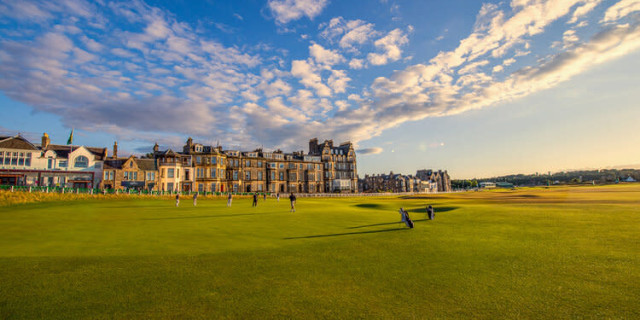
x=177 y=199
x=255 y=200
x=292 y=198
x=195 y=199
x=229 y=199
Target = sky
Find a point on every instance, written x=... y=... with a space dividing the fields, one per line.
x=477 y=88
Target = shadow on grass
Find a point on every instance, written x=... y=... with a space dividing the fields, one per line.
x=345 y=234
x=385 y=224
x=423 y=210
x=203 y=217
x=369 y=205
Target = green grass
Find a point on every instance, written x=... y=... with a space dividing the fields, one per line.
x=532 y=253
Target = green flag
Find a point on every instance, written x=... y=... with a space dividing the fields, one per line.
x=70 y=141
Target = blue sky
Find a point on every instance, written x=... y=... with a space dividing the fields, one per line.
x=479 y=88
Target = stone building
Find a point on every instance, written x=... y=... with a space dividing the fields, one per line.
x=209 y=166
x=339 y=165
x=424 y=181
x=130 y=173
x=440 y=178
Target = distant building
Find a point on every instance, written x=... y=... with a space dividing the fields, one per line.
x=424 y=181
x=487 y=185
x=129 y=173
x=71 y=166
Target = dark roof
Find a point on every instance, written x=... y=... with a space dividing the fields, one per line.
x=146 y=164
x=63 y=150
x=16 y=142
x=114 y=163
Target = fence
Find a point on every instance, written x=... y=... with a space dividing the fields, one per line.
x=164 y=193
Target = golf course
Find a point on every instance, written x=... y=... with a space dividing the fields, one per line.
x=536 y=253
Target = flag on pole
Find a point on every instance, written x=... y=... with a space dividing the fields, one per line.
x=70 y=140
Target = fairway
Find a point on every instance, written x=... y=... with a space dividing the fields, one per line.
x=570 y=252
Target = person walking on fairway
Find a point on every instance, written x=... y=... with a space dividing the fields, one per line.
x=278 y=196
x=255 y=200
x=177 y=199
x=195 y=199
x=292 y=198
x=264 y=196
x=229 y=199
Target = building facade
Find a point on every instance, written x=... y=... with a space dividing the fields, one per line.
x=69 y=166
x=424 y=181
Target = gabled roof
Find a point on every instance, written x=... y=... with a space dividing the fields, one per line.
x=63 y=150
x=16 y=142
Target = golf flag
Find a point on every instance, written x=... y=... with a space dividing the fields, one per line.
x=70 y=141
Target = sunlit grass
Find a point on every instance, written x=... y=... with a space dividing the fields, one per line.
x=531 y=253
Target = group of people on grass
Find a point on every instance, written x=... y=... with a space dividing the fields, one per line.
x=292 y=199
x=404 y=216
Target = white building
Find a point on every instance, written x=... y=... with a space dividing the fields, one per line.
x=23 y=163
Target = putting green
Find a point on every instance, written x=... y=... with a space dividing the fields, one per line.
x=530 y=253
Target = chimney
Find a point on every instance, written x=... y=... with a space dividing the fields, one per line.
x=313 y=146
x=45 y=141
x=115 y=149
x=156 y=147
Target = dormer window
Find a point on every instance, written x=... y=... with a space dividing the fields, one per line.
x=81 y=162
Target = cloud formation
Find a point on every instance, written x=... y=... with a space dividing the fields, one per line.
x=285 y=11
x=157 y=78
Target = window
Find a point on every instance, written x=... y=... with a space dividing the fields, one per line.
x=292 y=177
x=112 y=174
x=247 y=175
x=27 y=160
x=282 y=166
x=199 y=160
x=292 y=165
x=281 y=176
x=21 y=159
x=83 y=162
x=49 y=163
x=260 y=187
x=213 y=173
x=272 y=165
x=130 y=164
x=62 y=163
x=169 y=186
x=1 y=157
x=7 y=158
x=106 y=175
x=170 y=173
x=213 y=187
x=14 y=158
x=260 y=164
x=273 y=175
x=214 y=160
x=259 y=175
x=248 y=163
x=200 y=187
x=151 y=176
x=126 y=175
x=235 y=176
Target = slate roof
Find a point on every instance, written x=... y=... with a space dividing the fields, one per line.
x=16 y=142
x=63 y=150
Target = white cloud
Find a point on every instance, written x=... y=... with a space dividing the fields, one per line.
x=349 y=32
x=325 y=56
x=368 y=151
x=390 y=45
x=583 y=10
x=356 y=63
x=309 y=77
x=338 y=81
x=289 y=10
x=621 y=9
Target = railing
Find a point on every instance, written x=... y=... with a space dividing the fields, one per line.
x=63 y=190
